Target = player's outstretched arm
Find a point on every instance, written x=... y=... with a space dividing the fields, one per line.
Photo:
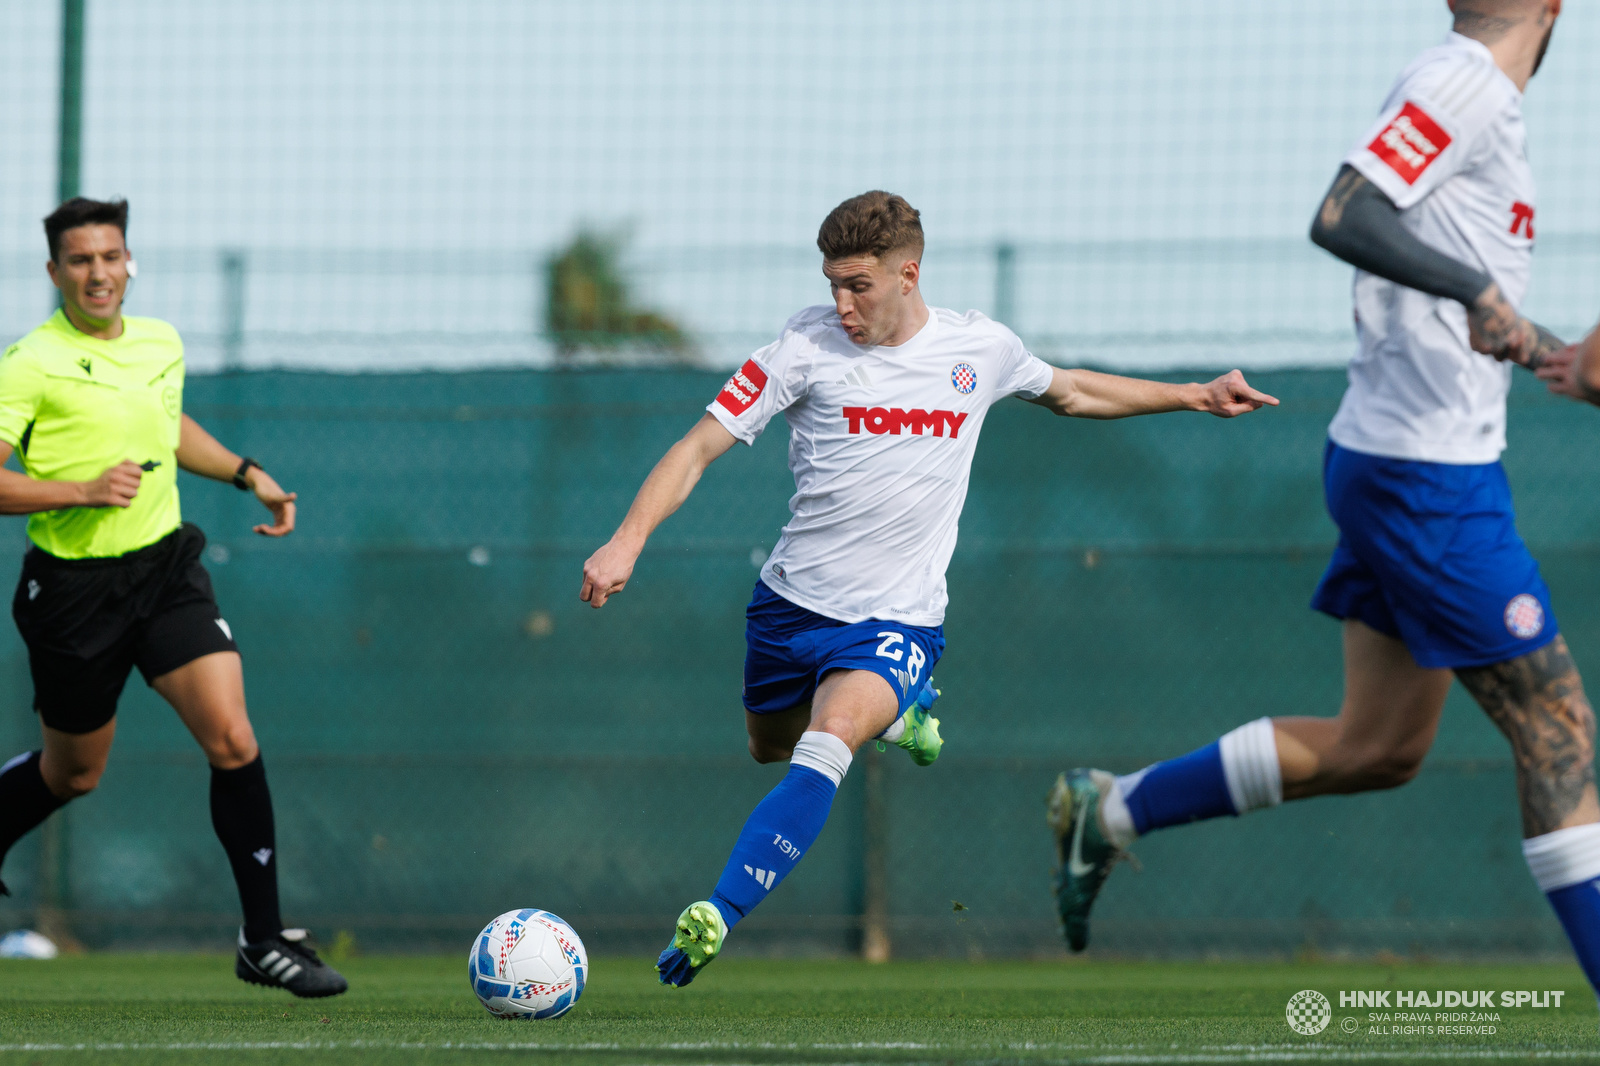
x=21 y=494
x=607 y=571
x=201 y=453
x=1088 y=394
x=1362 y=226
x=1575 y=371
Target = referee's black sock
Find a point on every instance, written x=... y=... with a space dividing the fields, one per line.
x=25 y=801
x=241 y=811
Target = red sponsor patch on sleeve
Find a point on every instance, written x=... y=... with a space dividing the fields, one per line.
x=1410 y=143
x=743 y=388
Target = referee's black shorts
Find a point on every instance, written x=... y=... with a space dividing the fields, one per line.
x=88 y=622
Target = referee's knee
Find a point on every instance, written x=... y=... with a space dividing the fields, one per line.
x=72 y=781
x=232 y=747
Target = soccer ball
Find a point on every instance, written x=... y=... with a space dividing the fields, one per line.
x=527 y=964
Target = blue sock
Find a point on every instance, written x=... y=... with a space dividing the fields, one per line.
x=1566 y=864
x=1239 y=772
x=1578 y=907
x=783 y=826
x=1189 y=788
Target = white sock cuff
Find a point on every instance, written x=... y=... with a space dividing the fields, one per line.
x=1114 y=813
x=824 y=753
x=1564 y=858
x=1250 y=764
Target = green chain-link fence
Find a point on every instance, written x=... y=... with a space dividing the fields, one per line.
x=451 y=733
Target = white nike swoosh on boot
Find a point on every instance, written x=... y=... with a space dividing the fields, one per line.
x=1075 y=864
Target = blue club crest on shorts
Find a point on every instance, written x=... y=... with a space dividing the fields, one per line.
x=964 y=378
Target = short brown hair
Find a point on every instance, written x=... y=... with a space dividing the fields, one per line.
x=874 y=223
x=81 y=211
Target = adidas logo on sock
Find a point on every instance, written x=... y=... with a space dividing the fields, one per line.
x=262 y=855
x=764 y=878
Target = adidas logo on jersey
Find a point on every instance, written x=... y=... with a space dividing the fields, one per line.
x=857 y=377
x=878 y=420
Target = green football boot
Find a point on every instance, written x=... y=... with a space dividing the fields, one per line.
x=1083 y=854
x=699 y=937
x=921 y=737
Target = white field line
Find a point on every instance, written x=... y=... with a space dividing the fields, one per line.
x=1097 y=1054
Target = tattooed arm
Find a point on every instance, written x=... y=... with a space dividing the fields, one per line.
x=1496 y=329
x=1361 y=225
x=1538 y=702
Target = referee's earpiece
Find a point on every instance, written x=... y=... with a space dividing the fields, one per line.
x=133 y=268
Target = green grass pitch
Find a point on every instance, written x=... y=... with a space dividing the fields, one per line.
x=189 y=1009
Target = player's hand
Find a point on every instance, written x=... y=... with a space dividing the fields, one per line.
x=606 y=573
x=1559 y=372
x=1230 y=395
x=280 y=503
x=115 y=488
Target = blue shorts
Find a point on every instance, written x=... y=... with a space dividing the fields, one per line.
x=1429 y=553
x=789 y=648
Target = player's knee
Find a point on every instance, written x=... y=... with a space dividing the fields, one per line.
x=1386 y=769
x=232 y=747
x=763 y=751
x=1397 y=770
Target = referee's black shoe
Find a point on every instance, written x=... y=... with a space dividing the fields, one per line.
x=287 y=961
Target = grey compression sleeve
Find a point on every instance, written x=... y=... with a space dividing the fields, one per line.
x=1361 y=225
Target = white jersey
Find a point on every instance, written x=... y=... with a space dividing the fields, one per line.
x=1450 y=150
x=880 y=442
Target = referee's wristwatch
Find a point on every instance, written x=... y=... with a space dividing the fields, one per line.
x=239 y=481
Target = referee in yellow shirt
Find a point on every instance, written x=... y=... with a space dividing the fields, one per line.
x=92 y=404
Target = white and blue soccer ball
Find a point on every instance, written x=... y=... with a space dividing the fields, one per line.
x=26 y=944
x=528 y=964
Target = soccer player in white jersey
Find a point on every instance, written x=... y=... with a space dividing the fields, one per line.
x=885 y=398
x=1435 y=207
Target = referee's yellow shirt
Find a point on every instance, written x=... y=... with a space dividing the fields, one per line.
x=72 y=405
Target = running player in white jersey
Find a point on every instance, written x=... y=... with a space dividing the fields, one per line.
x=1435 y=207
x=885 y=398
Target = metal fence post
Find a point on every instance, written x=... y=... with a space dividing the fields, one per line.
x=70 y=136
x=1005 y=283
x=875 y=858
x=234 y=266
x=55 y=888
x=52 y=917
